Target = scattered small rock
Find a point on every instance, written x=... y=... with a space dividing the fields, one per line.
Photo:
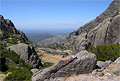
x=117 y=60
x=34 y=70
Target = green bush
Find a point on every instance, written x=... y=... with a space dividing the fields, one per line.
x=1 y=38
x=115 y=15
x=22 y=64
x=12 y=41
x=10 y=55
x=46 y=65
x=19 y=75
x=106 y=52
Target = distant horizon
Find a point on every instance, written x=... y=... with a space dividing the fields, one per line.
x=52 y=31
x=52 y=14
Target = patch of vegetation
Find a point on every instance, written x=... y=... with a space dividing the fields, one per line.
x=59 y=46
x=19 y=75
x=54 y=46
x=46 y=65
x=8 y=54
x=1 y=38
x=10 y=64
x=105 y=52
x=115 y=15
x=12 y=38
x=22 y=64
x=87 y=32
x=12 y=41
x=70 y=47
x=11 y=55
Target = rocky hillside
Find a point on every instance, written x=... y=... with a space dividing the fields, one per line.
x=106 y=32
x=52 y=40
x=14 y=40
x=9 y=33
x=102 y=30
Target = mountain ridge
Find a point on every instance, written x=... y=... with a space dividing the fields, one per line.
x=83 y=42
x=109 y=12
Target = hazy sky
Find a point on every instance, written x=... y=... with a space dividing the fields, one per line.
x=40 y=14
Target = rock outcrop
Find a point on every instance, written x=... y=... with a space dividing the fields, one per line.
x=107 y=32
x=7 y=30
x=102 y=64
x=82 y=63
x=27 y=53
x=110 y=11
x=80 y=43
x=117 y=61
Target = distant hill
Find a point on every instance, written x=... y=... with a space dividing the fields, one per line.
x=56 y=39
x=36 y=37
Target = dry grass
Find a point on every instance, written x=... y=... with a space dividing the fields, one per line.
x=2 y=76
x=112 y=67
x=68 y=51
x=47 y=57
x=51 y=58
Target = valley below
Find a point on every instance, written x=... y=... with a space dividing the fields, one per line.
x=50 y=57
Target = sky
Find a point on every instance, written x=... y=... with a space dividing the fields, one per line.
x=51 y=14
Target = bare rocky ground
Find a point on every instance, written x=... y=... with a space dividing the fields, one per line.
x=111 y=73
x=88 y=77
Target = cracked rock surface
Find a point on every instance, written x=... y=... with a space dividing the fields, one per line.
x=82 y=63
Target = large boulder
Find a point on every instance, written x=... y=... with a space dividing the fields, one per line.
x=27 y=53
x=80 y=43
x=82 y=63
x=102 y=64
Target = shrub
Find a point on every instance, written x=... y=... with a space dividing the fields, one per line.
x=12 y=41
x=106 y=52
x=10 y=54
x=19 y=75
x=22 y=64
x=116 y=14
x=46 y=65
